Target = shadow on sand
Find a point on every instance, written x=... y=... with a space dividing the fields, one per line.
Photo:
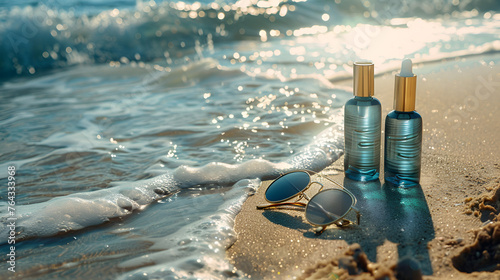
x=399 y=215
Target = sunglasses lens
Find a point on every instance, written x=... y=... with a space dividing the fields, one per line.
x=287 y=186
x=328 y=206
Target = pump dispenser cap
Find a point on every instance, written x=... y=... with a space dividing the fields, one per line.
x=405 y=88
x=363 y=79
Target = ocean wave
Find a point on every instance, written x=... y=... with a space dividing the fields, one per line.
x=49 y=36
x=36 y=38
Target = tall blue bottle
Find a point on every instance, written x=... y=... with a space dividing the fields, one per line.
x=362 y=124
x=403 y=133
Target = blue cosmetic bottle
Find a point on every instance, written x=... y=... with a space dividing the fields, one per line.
x=362 y=124
x=403 y=133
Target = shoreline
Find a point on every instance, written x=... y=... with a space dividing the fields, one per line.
x=458 y=101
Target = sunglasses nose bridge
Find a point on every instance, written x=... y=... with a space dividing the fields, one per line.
x=316 y=182
x=304 y=195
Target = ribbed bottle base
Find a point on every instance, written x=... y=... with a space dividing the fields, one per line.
x=401 y=182
x=364 y=176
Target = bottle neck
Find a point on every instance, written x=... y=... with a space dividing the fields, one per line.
x=405 y=112
x=360 y=98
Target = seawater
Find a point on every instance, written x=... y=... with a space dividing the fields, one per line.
x=139 y=128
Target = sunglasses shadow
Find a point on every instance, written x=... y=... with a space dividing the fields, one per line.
x=286 y=220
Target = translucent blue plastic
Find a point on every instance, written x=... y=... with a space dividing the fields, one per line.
x=362 y=123
x=403 y=147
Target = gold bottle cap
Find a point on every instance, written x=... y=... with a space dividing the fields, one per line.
x=363 y=79
x=405 y=88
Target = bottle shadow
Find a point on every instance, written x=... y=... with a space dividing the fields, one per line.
x=398 y=215
x=410 y=223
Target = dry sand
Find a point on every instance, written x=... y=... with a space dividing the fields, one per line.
x=436 y=224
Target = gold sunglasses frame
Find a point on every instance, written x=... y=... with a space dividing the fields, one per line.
x=301 y=194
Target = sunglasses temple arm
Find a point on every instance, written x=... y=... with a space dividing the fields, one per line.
x=300 y=204
x=320 y=230
x=358 y=215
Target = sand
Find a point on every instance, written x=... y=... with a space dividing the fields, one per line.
x=442 y=228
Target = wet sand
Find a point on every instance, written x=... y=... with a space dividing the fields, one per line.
x=440 y=225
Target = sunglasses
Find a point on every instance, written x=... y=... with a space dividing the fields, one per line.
x=326 y=207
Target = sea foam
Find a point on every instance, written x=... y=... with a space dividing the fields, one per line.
x=81 y=210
